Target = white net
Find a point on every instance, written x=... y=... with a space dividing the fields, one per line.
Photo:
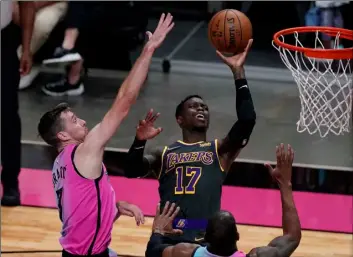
x=325 y=88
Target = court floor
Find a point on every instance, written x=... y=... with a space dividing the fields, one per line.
x=35 y=226
x=37 y=229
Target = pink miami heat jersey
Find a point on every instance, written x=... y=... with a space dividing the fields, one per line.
x=86 y=207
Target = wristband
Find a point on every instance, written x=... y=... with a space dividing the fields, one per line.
x=240 y=82
x=138 y=143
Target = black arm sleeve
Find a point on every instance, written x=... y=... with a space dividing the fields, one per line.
x=244 y=104
x=240 y=133
x=136 y=165
x=155 y=246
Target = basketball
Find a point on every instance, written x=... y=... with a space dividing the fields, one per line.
x=229 y=31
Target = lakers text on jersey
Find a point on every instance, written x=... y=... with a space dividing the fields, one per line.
x=191 y=176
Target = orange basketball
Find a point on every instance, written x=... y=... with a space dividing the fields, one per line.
x=229 y=31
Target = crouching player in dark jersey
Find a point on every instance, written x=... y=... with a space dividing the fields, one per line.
x=191 y=172
x=222 y=234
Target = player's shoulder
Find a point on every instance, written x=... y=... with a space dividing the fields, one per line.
x=200 y=144
x=175 y=145
x=180 y=144
x=66 y=154
x=184 y=249
x=264 y=251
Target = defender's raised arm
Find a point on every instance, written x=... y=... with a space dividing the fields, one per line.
x=94 y=144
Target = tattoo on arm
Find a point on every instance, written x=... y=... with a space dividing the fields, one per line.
x=285 y=245
x=263 y=252
x=282 y=246
x=239 y=73
x=180 y=250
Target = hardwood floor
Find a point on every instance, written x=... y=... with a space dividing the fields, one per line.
x=31 y=229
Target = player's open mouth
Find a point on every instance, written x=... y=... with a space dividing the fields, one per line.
x=200 y=117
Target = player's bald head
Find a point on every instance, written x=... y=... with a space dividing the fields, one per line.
x=222 y=233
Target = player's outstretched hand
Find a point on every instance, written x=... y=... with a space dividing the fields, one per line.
x=283 y=170
x=156 y=38
x=237 y=60
x=162 y=222
x=146 y=129
x=137 y=213
x=132 y=210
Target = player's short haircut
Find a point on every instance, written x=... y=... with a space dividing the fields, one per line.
x=221 y=233
x=50 y=124
x=180 y=107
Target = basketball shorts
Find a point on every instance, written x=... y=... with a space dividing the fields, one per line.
x=188 y=236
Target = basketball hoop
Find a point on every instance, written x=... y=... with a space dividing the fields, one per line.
x=323 y=76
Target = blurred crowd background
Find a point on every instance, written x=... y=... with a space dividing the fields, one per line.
x=104 y=34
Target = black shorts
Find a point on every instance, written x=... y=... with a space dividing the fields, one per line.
x=189 y=236
x=155 y=249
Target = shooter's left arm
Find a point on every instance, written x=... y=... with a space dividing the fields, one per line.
x=238 y=137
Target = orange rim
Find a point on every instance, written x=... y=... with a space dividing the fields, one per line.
x=346 y=53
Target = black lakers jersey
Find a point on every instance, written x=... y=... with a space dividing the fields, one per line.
x=191 y=176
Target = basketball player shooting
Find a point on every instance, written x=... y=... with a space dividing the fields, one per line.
x=85 y=198
x=222 y=233
x=191 y=172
